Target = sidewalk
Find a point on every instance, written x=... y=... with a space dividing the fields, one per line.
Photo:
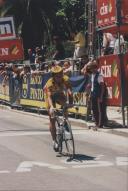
x=114 y=126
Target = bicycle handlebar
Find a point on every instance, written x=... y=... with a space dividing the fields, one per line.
x=66 y=106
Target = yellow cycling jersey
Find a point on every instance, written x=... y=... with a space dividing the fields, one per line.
x=57 y=87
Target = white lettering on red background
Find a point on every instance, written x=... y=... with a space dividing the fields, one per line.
x=4 y=51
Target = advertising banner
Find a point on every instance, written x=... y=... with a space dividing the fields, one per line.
x=7 y=29
x=4 y=89
x=32 y=88
x=124 y=11
x=107 y=14
x=126 y=79
x=11 y=50
x=110 y=69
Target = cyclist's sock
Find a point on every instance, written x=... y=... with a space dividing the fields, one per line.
x=55 y=146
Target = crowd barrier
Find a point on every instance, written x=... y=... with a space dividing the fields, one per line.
x=28 y=91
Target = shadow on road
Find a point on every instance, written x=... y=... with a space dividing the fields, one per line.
x=80 y=158
x=113 y=125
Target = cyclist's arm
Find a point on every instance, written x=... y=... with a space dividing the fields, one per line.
x=69 y=92
x=70 y=97
x=49 y=99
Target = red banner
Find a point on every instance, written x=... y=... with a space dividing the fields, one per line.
x=124 y=11
x=126 y=78
x=107 y=11
x=11 y=50
x=109 y=67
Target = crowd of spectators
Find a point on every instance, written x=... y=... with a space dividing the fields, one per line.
x=18 y=71
x=38 y=63
x=113 y=44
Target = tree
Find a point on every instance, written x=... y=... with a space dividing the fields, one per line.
x=37 y=21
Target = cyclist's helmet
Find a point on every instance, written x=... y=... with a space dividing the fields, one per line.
x=56 y=70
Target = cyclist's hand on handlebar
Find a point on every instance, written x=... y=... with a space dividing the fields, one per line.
x=51 y=111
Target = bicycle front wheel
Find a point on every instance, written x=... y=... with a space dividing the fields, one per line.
x=59 y=136
x=69 y=139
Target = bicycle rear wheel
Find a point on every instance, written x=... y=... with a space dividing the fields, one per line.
x=68 y=139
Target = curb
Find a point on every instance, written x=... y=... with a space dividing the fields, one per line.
x=75 y=122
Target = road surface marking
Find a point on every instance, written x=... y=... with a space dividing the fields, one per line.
x=99 y=157
x=122 y=161
x=27 y=166
x=4 y=171
x=94 y=164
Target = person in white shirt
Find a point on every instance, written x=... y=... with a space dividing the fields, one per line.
x=119 y=48
x=108 y=44
x=98 y=94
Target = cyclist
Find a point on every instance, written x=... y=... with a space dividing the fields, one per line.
x=57 y=89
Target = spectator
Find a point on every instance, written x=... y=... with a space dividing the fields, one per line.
x=26 y=71
x=67 y=68
x=39 y=57
x=118 y=49
x=3 y=73
x=59 y=53
x=79 y=42
x=108 y=44
x=84 y=61
x=98 y=94
x=86 y=71
x=31 y=55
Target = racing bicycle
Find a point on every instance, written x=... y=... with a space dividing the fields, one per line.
x=64 y=135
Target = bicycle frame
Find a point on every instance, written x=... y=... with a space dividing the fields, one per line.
x=61 y=134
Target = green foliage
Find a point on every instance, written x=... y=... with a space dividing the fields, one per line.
x=61 y=13
x=38 y=20
x=72 y=13
x=67 y=3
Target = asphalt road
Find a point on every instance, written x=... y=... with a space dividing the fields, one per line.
x=28 y=162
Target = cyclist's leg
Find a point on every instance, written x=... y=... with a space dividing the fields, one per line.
x=51 y=119
x=52 y=127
